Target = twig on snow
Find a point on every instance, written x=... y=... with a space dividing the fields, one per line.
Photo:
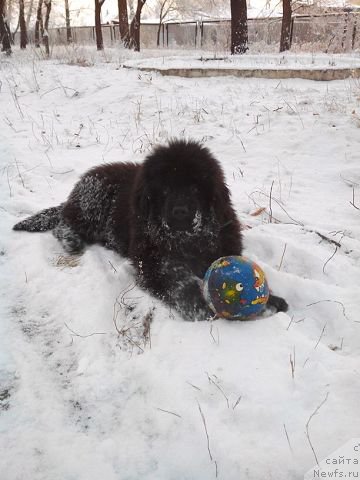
x=206 y=431
x=328 y=260
x=327 y=239
x=287 y=438
x=219 y=388
x=194 y=386
x=296 y=222
x=216 y=340
x=332 y=301
x=353 y=199
x=270 y=202
x=167 y=411
x=237 y=402
x=282 y=257
x=292 y=363
x=8 y=180
x=308 y=424
x=74 y=334
x=291 y=321
x=321 y=335
x=208 y=439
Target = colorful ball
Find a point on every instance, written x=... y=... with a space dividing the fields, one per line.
x=235 y=288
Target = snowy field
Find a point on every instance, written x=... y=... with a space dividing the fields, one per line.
x=89 y=387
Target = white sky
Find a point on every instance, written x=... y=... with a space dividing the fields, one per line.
x=85 y=15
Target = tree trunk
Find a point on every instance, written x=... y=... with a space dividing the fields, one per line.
x=38 y=24
x=286 y=33
x=353 y=37
x=5 y=36
x=239 y=27
x=161 y=19
x=67 y=22
x=23 y=32
x=165 y=8
x=123 y=20
x=29 y=13
x=45 y=32
x=133 y=40
x=158 y=34
x=98 y=31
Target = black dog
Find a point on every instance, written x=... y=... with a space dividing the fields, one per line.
x=172 y=216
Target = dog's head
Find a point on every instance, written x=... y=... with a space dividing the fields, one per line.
x=181 y=191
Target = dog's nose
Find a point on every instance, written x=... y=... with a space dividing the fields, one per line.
x=180 y=212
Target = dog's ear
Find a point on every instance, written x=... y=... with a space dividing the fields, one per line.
x=221 y=203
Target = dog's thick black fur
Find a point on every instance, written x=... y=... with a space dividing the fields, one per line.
x=172 y=216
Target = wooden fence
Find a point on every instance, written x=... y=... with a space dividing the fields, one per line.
x=329 y=33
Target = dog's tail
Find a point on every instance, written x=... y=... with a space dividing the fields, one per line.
x=41 y=222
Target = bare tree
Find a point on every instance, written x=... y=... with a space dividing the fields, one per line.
x=29 y=13
x=98 y=31
x=200 y=8
x=67 y=22
x=239 y=27
x=38 y=23
x=22 y=23
x=133 y=40
x=45 y=30
x=165 y=8
x=286 y=26
x=5 y=36
x=123 y=20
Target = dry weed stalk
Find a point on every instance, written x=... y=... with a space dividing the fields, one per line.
x=75 y=334
x=194 y=386
x=270 y=203
x=287 y=438
x=329 y=259
x=308 y=424
x=219 y=388
x=291 y=321
x=293 y=363
x=353 y=200
x=327 y=239
x=272 y=199
x=321 y=335
x=134 y=332
x=237 y=402
x=206 y=431
x=168 y=411
x=282 y=257
x=15 y=98
x=208 y=439
x=217 y=339
x=331 y=301
x=8 y=180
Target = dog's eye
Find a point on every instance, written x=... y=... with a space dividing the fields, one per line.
x=194 y=189
x=239 y=287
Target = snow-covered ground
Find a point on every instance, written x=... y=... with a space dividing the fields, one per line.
x=89 y=388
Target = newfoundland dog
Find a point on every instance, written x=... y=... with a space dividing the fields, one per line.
x=171 y=216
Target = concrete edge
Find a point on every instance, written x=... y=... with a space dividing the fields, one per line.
x=323 y=74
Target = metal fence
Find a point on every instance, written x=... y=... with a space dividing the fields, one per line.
x=329 y=33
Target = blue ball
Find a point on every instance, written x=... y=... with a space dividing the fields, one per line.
x=235 y=288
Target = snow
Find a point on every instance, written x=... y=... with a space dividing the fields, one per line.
x=84 y=392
